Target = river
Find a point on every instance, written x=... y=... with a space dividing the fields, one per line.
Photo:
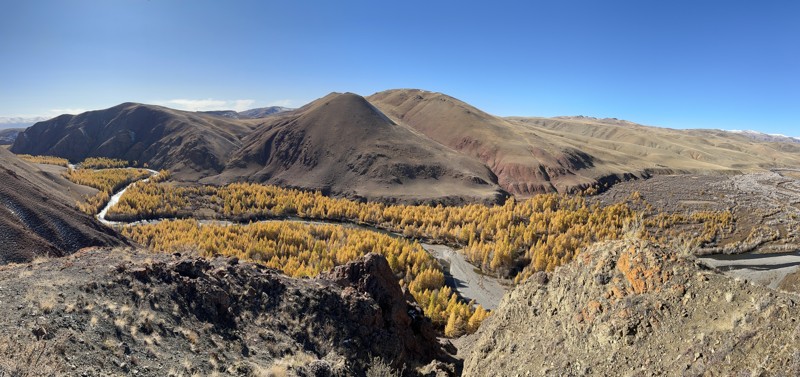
x=460 y=275
x=764 y=269
x=465 y=279
x=115 y=199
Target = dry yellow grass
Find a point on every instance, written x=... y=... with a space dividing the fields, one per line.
x=535 y=155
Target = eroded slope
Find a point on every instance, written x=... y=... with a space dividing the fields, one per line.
x=525 y=163
x=341 y=144
x=628 y=307
x=37 y=216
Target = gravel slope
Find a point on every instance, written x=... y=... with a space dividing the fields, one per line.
x=631 y=308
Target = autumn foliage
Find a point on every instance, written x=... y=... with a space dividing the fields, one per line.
x=107 y=181
x=104 y=163
x=512 y=240
x=50 y=160
x=300 y=249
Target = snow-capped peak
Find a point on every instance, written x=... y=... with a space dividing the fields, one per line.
x=762 y=136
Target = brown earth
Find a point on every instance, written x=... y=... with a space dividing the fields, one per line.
x=791 y=283
x=39 y=216
x=119 y=311
x=401 y=145
x=342 y=144
x=765 y=206
x=190 y=145
x=632 y=308
x=47 y=177
x=535 y=155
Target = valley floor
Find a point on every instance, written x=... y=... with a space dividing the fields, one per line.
x=760 y=201
x=763 y=246
x=467 y=279
x=765 y=269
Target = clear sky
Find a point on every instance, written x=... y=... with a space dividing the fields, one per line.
x=682 y=64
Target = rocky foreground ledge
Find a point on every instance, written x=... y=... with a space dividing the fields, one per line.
x=632 y=308
x=108 y=312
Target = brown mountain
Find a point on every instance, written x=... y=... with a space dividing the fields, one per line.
x=38 y=215
x=342 y=144
x=525 y=163
x=400 y=145
x=191 y=145
x=534 y=155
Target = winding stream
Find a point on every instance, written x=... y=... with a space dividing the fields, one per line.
x=115 y=199
x=470 y=284
x=460 y=275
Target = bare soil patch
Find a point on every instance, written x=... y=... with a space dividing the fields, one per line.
x=765 y=206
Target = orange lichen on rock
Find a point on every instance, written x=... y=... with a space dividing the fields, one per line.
x=593 y=308
x=643 y=275
x=617 y=293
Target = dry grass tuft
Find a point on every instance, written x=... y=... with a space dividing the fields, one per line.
x=23 y=357
x=380 y=368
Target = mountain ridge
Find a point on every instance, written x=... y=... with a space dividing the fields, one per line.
x=342 y=139
x=522 y=156
x=260 y=112
x=187 y=143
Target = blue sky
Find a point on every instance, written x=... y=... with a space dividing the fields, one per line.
x=681 y=64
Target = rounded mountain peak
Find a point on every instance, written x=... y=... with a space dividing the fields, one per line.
x=344 y=109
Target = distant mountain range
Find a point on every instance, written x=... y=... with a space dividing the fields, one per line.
x=402 y=145
x=19 y=122
x=261 y=112
x=8 y=135
x=760 y=136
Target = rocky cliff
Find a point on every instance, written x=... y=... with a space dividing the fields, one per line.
x=112 y=312
x=632 y=308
